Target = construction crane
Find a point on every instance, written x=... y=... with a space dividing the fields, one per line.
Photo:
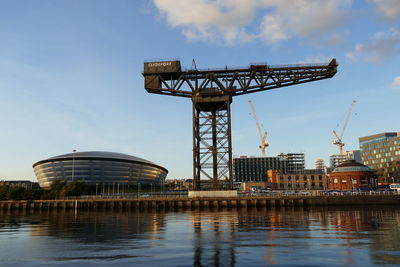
x=211 y=92
x=339 y=138
x=263 y=137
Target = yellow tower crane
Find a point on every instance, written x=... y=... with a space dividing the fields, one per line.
x=338 y=141
x=263 y=137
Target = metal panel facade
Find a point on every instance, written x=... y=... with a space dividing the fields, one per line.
x=98 y=170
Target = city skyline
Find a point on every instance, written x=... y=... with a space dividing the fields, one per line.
x=70 y=76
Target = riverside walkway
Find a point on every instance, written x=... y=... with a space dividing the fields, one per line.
x=172 y=202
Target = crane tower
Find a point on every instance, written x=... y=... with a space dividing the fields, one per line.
x=339 y=138
x=211 y=92
x=263 y=137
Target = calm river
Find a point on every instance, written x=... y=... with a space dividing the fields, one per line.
x=252 y=237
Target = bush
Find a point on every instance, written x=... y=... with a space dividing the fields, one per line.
x=3 y=192
x=57 y=189
x=33 y=193
x=15 y=193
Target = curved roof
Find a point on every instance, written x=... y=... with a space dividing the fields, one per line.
x=98 y=155
x=351 y=166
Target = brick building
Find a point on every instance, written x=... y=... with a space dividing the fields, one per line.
x=351 y=175
x=308 y=180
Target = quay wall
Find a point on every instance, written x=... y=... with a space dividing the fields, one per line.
x=189 y=203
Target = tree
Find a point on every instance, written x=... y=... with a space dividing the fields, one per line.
x=15 y=193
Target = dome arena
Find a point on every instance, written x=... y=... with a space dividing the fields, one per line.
x=98 y=167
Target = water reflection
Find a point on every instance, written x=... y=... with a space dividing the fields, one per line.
x=88 y=226
x=319 y=233
x=345 y=236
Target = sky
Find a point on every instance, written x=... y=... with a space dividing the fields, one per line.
x=70 y=75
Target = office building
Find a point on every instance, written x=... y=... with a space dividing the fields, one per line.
x=295 y=162
x=381 y=152
x=319 y=164
x=335 y=160
x=354 y=155
x=254 y=169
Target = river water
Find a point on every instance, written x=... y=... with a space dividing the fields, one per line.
x=240 y=237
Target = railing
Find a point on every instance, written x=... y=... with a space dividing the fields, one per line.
x=128 y=196
x=322 y=193
x=271 y=194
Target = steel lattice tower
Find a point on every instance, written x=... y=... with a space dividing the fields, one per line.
x=211 y=92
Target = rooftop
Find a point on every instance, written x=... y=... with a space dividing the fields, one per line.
x=351 y=165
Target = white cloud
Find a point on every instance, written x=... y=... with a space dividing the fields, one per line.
x=379 y=49
x=272 y=30
x=303 y=17
x=388 y=9
x=209 y=20
x=233 y=20
x=396 y=81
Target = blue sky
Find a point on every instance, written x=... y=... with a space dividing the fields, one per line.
x=70 y=75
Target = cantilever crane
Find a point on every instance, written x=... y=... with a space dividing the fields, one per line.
x=211 y=92
x=339 y=138
x=263 y=137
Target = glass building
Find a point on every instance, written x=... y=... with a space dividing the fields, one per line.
x=99 y=167
x=381 y=152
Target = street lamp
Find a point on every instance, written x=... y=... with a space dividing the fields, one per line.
x=73 y=164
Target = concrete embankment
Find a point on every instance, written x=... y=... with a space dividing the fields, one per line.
x=269 y=202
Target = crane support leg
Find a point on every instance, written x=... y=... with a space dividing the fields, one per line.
x=212 y=145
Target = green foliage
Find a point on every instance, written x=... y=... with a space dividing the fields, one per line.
x=57 y=186
x=19 y=193
x=33 y=193
x=76 y=189
x=48 y=194
x=3 y=192
x=57 y=189
x=15 y=193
